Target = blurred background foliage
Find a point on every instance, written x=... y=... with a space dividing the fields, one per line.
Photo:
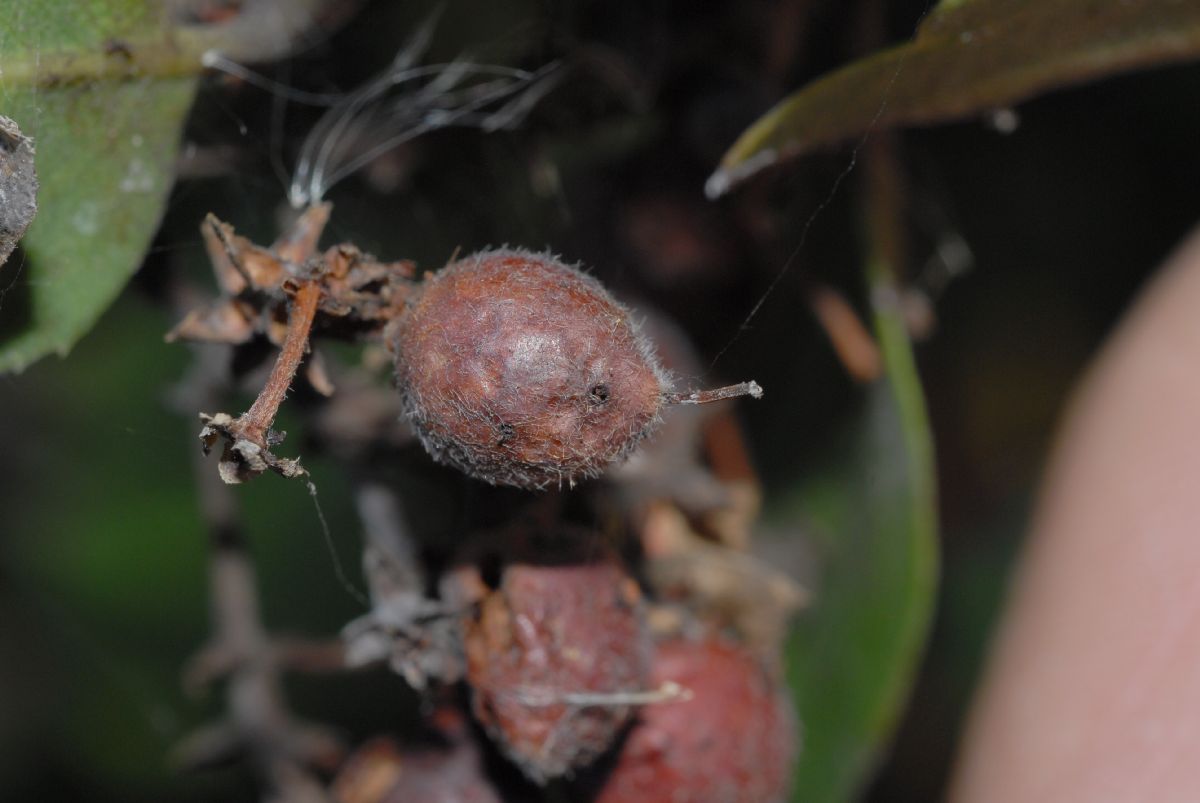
x=1067 y=203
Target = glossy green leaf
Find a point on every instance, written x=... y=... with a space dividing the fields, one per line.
x=873 y=522
x=969 y=56
x=106 y=146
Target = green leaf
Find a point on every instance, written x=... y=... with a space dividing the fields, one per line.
x=873 y=519
x=105 y=159
x=969 y=56
x=105 y=153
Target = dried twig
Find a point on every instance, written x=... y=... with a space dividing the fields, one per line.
x=343 y=285
x=417 y=636
x=249 y=437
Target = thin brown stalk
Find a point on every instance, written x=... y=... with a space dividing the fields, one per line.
x=258 y=419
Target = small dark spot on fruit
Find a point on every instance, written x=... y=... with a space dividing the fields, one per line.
x=507 y=433
x=599 y=394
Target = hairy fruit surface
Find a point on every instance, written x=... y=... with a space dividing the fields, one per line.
x=520 y=370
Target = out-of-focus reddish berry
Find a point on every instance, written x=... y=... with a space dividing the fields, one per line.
x=552 y=650
x=730 y=739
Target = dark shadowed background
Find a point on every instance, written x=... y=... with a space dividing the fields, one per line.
x=1066 y=205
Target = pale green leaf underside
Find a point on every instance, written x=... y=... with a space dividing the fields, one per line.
x=105 y=159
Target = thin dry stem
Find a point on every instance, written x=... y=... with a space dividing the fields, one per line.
x=256 y=423
x=668 y=692
x=752 y=389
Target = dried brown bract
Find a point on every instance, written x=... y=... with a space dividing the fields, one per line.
x=283 y=292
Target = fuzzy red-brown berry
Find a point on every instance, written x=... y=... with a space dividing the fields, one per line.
x=520 y=370
x=552 y=656
x=732 y=740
